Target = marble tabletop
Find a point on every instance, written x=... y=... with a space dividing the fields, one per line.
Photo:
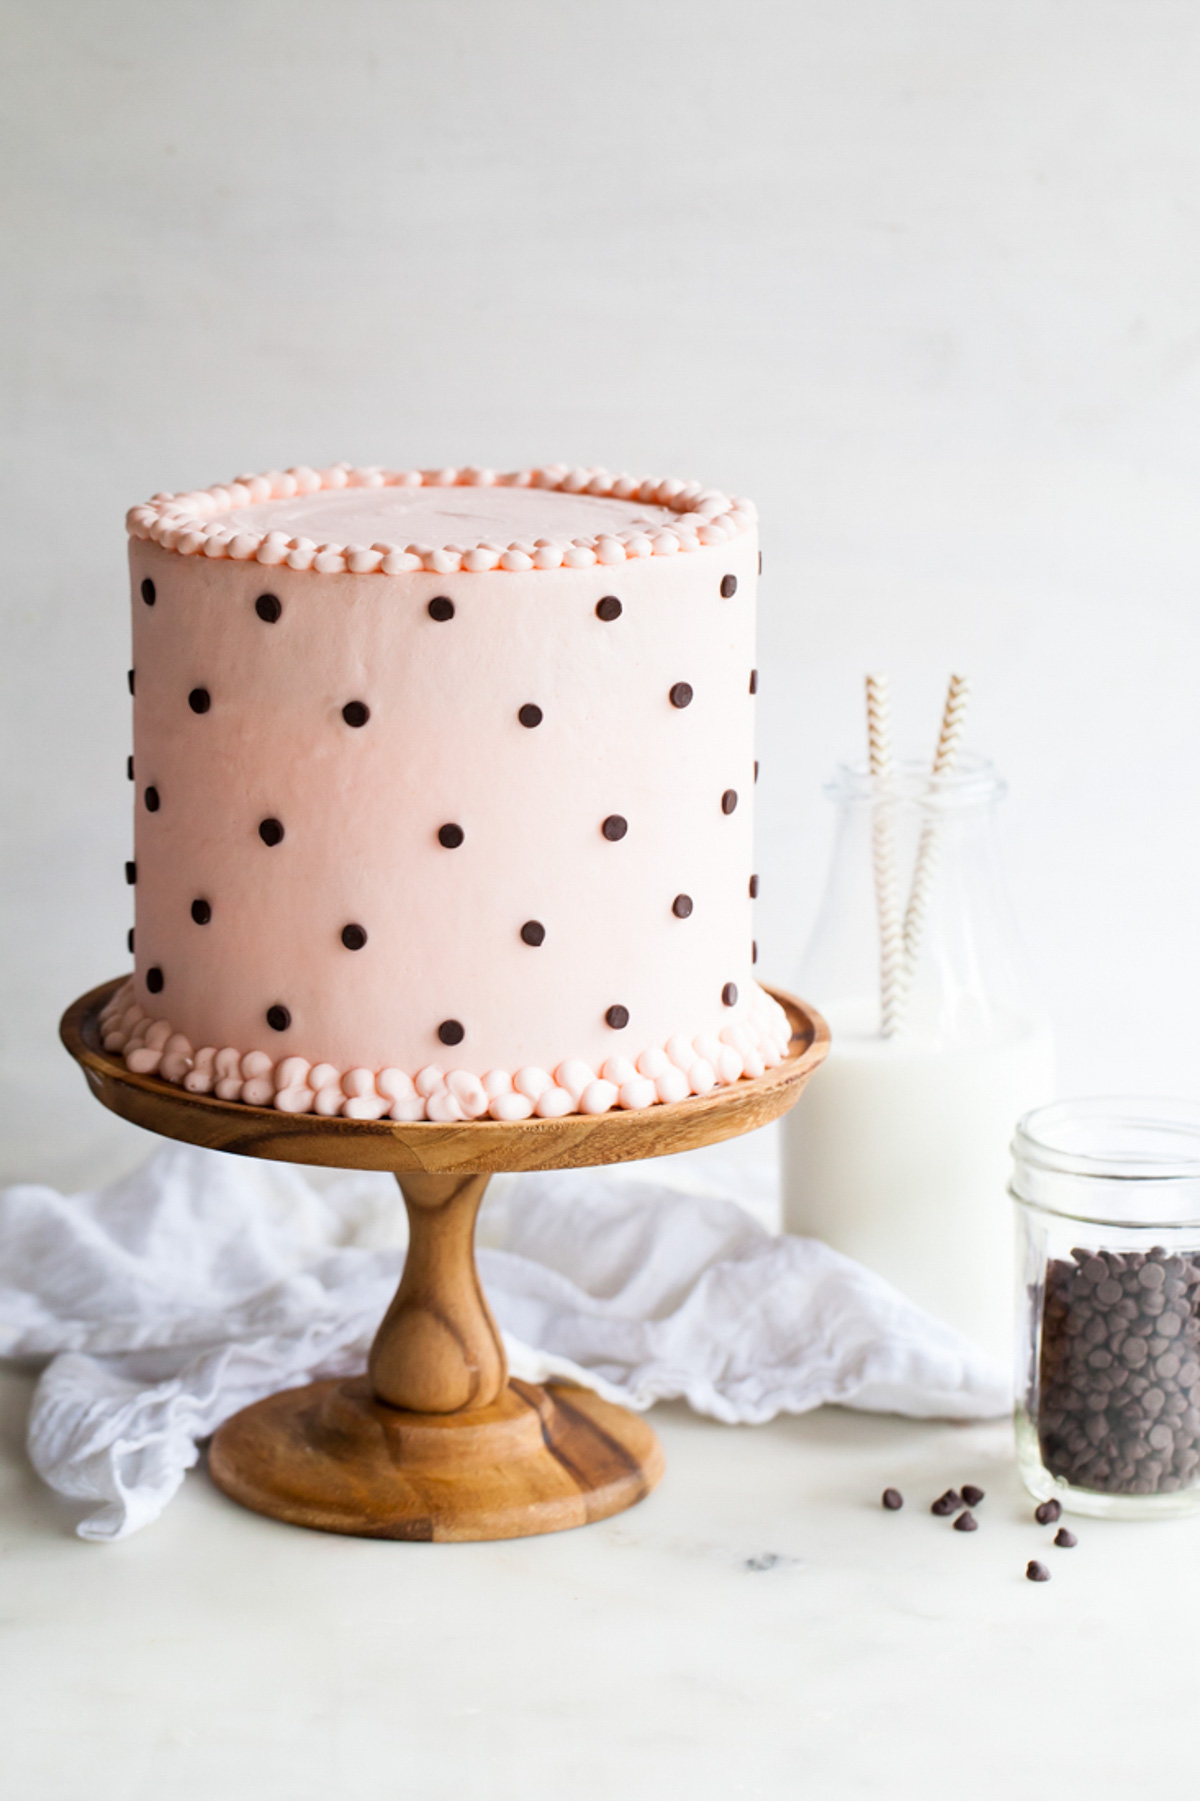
x=759 y=1627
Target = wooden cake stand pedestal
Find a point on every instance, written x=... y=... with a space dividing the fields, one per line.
x=435 y=1441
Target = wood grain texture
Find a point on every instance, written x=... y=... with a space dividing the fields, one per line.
x=332 y=1457
x=435 y=1442
x=473 y=1146
x=438 y=1350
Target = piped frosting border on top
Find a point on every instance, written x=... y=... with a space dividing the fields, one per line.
x=191 y=524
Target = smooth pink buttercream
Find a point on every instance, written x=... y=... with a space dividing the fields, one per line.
x=361 y=807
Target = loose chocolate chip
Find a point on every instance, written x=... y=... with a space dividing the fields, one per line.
x=754 y=681
x=356 y=712
x=614 y=827
x=617 y=1018
x=1046 y=1512
x=971 y=1495
x=450 y=836
x=966 y=1522
x=129 y=768
x=129 y=938
x=451 y=1032
x=1036 y=1572
x=729 y=800
x=268 y=607
x=201 y=912
x=529 y=715
x=271 y=831
x=354 y=937
x=1065 y=1539
x=154 y=980
x=893 y=1500
x=441 y=608
x=609 y=608
x=129 y=679
x=131 y=873
x=947 y=1504
x=753 y=887
x=681 y=694
x=728 y=587
x=729 y=995
x=148 y=594
x=681 y=906
x=278 y=1018
x=533 y=932
x=152 y=800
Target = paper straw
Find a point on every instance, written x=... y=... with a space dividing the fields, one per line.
x=930 y=844
x=892 y=964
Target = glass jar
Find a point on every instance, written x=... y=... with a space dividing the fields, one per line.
x=1107 y=1198
x=899 y=1155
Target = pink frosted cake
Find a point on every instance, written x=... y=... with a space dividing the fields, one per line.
x=444 y=788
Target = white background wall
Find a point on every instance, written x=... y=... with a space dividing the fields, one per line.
x=921 y=276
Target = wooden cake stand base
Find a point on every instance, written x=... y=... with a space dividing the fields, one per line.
x=435 y=1441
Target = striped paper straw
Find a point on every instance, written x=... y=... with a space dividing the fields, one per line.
x=892 y=963
x=930 y=845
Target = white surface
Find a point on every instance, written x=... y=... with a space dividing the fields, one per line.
x=898 y=1155
x=202 y=1282
x=881 y=1655
x=921 y=279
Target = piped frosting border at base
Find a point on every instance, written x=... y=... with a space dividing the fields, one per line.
x=661 y=1074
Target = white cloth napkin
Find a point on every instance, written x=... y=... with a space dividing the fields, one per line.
x=170 y=1299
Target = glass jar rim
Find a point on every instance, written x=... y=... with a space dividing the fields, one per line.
x=1132 y=1160
x=974 y=781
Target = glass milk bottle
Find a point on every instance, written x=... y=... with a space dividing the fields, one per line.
x=899 y=1155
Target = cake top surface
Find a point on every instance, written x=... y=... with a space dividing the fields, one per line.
x=378 y=521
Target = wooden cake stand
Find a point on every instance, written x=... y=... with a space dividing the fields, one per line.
x=435 y=1441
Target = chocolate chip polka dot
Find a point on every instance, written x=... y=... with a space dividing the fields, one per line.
x=754 y=681
x=530 y=715
x=729 y=995
x=533 y=932
x=199 y=700
x=441 y=608
x=271 y=831
x=729 y=800
x=268 y=607
x=278 y=1018
x=131 y=873
x=451 y=1031
x=728 y=587
x=154 y=980
x=754 y=950
x=450 y=836
x=152 y=800
x=129 y=939
x=614 y=827
x=681 y=906
x=753 y=887
x=756 y=770
x=681 y=694
x=148 y=593
x=617 y=1018
x=609 y=608
x=129 y=768
x=129 y=679
x=354 y=937
x=356 y=712
x=201 y=912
